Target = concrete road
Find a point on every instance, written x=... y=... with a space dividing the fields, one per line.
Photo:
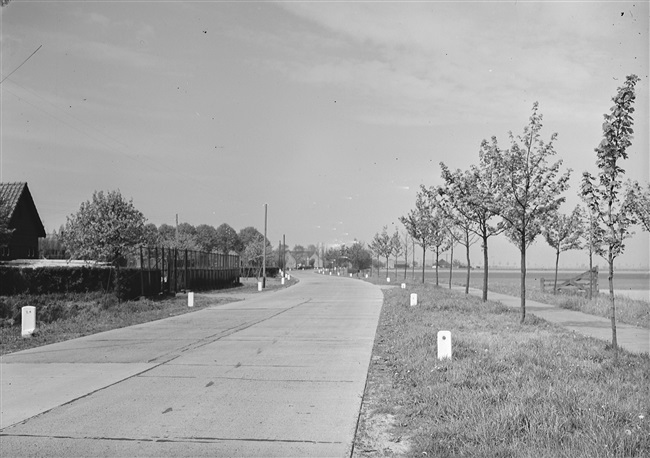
x=279 y=374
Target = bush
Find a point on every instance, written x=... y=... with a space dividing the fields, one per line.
x=125 y=283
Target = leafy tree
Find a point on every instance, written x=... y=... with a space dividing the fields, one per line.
x=563 y=233
x=589 y=226
x=105 y=228
x=473 y=190
x=227 y=240
x=167 y=235
x=382 y=245
x=251 y=240
x=407 y=251
x=527 y=188
x=151 y=234
x=613 y=215
x=206 y=237
x=452 y=201
x=360 y=257
x=637 y=200
x=398 y=249
x=300 y=254
x=424 y=227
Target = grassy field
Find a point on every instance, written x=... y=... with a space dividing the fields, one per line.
x=511 y=390
x=68 y=316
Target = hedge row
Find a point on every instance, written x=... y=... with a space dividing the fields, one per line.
x=123 y=282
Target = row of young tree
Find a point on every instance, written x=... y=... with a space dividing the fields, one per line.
x=518 y=191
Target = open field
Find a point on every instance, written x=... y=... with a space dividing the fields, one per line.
x=624 y=280
x=511 y=390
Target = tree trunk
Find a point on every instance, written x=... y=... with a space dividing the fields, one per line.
x=557 y=262
x=413 y=263
x=395 y=267
x=469 y=266
x=386 y=266
x=437 y=262
x=451 y=265
x=424 y=264
x=612 y=305
x=591 y=272
x=485 y=269
x=522 y=248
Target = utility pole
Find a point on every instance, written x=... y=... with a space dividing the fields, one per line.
x=284 y=256
x=176 y=233
x=264 y=243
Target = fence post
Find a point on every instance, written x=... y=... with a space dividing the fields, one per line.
x=175 y=270
x=185 y=282
x=141 y=274
x=541 y=284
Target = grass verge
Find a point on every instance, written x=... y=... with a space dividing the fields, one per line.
x=511 y=390
x=69 y=316
x=628 y=311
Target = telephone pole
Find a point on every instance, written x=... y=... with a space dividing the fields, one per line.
x=264 y=255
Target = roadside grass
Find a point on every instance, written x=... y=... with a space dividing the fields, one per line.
x=628 y=311
x=68 y=316
x=511 y=390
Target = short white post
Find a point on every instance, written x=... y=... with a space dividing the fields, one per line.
x=190 y=299
x=288 y=277
x=403 y=285
x=444 y=344
x=387 y=279
x=28 y=321
x=282 y=281
x=414 y=299
x=259 y=286
x=350 y=275
x=366 y=275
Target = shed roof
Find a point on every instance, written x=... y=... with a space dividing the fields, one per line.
x=11 y=195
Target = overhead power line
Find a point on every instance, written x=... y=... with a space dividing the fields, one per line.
x=3 y=79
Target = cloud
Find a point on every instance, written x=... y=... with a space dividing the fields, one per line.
x=441 y=63
x=119 y=55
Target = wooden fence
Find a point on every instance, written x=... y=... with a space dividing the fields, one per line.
x=170 y=270
x=580 y=283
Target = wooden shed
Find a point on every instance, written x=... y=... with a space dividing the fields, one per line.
x=17 y=206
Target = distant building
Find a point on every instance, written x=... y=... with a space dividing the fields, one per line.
x=17 y=205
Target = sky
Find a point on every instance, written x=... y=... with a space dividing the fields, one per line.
x=331 y=113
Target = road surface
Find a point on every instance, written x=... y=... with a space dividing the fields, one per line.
x=279 y=374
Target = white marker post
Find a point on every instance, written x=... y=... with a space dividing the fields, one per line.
x=259 y=286
x=403 y=285
x=190 y=299
x=28 y=318
x=414 y=299
x=366 y=275
x=387 y=279
x=444 y=344
x=282 y=281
